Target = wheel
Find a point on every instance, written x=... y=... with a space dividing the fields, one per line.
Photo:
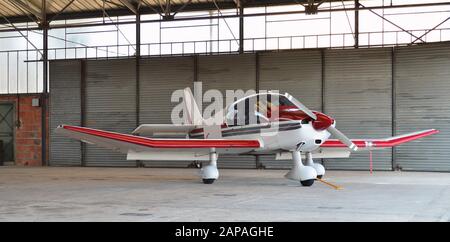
x=320 y=176
x=208 y=181
x=307 y=183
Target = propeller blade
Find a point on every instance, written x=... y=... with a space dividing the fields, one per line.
x=341 y=137
x=301 y=106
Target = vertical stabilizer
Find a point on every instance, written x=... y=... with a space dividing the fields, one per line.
x=193 y=115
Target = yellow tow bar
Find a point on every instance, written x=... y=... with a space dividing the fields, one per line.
x=330 y=184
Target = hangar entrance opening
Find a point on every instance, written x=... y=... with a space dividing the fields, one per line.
x=6 y=133
x=372 y=93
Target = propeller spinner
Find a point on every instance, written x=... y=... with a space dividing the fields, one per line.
x=322 y=121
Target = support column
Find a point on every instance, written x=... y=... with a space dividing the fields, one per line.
x=394 y=107
x=44 y=26
x=195 y=68
x=356 y=23
x=258 y=163
x=138 y=63
x=138 y=76
x=241 y=28
x=83 y=107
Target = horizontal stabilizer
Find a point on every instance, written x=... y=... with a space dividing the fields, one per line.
x=163 y=129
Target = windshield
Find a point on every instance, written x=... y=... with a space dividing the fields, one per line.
x=261 y=108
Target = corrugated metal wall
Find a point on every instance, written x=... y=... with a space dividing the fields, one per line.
x=357 y=91
x=422 y=84
x=358 y=94
x=110 y=105
x=65 y=108
x=229 y=73
x=160 y=77
x=298 y=73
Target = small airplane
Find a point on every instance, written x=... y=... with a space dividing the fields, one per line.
x=284 y=127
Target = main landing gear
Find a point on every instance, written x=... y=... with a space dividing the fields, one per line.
x=305 y=174
x=210 y=173
x=318 y=167
x=299 y=172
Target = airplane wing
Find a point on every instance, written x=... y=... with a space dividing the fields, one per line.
x=126 y=143
x=374 y=144
x=333 y=148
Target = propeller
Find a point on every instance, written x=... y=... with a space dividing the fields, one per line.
x=301 y=106
x=341 y=137
x=322 y=122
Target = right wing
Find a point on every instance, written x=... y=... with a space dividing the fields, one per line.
x=136 y=145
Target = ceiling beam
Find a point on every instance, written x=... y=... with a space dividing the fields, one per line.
x=130 y=5
x=207 y=6
x=184 y=6
x=61 y=11
x=28 y=7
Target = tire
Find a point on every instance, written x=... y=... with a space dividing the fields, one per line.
x=208 y=181
x=307 y=183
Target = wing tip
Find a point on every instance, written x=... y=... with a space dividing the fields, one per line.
x=434 y=131
x=383 y=143
x=424 y=133
x=59 y=128
x=409 y=137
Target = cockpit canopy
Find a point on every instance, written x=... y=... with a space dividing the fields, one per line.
x=263 y=108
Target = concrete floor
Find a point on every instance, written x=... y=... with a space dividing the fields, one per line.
x=144 y=194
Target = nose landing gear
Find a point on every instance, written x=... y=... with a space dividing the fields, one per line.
x=299 y=172
x=307 y=183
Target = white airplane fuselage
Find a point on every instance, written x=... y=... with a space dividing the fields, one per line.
x=276 y=136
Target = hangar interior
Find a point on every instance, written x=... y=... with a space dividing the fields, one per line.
x=377 y=83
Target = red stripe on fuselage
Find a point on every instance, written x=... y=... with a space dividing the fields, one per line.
x=166 y=143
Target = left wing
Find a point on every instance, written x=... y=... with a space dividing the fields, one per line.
x=334 y=148
x=374 y=144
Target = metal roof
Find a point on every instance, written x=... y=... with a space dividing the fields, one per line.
x=20 y=11
x=30 y=10
x=11 y=8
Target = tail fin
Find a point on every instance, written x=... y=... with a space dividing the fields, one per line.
x=193 y=115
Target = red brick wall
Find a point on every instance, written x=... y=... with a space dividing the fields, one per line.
x=28 y=134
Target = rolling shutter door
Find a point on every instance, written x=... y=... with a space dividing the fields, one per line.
x=65 y=79
x=110 y=105
x=357 y=93
x=422 y=83
x=160 y=77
